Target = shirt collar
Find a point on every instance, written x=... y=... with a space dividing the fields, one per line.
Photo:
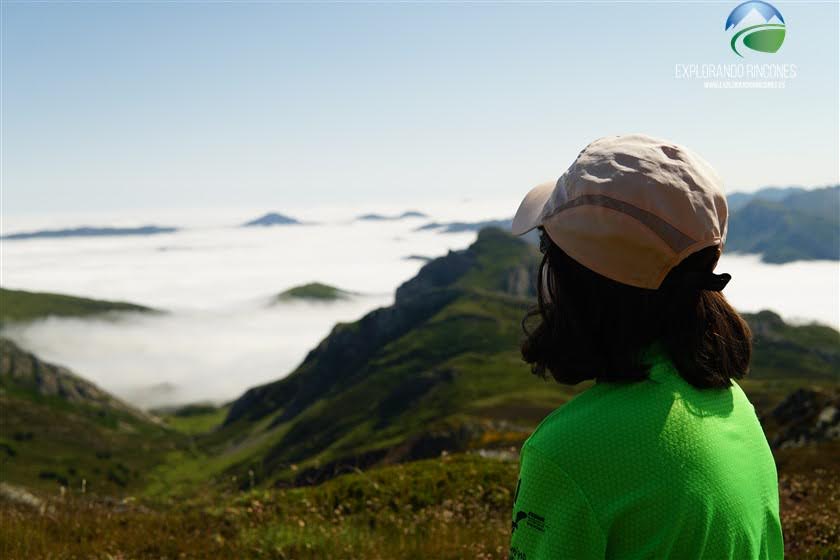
x=661 y=366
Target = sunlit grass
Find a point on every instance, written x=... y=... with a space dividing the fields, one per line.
x=449 y=508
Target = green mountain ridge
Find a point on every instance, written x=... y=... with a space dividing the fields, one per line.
x=22 y=305
x=440 y=371
x=804 y=225
x=738 y=199
x=347 y=397
x=437 y=371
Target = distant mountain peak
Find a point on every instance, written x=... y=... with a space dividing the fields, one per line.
x=314 y=291
x=381 y=217
x=90 y=231
x=272 y=219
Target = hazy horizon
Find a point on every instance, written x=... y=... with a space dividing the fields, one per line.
x=455 y=209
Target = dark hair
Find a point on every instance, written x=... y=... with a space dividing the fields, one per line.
x=591 y=327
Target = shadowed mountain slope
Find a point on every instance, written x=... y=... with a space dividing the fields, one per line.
x=440 y=370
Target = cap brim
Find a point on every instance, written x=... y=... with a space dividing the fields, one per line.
x=531 y=210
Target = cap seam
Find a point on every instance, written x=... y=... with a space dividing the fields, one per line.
x=566 y=206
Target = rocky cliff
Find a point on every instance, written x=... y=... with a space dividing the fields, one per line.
x=23 y=371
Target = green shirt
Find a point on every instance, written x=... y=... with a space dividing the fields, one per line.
x=652 y=469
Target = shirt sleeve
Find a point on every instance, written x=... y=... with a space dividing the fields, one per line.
x=552 y=519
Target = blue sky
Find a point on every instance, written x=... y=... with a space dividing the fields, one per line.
x=116 y=105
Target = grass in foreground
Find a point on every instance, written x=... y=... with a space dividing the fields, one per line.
x=453 y=507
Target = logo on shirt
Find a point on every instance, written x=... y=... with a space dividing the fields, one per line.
x=520 y=515
x=532 y=520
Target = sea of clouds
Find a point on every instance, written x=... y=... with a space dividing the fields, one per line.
x=221 y=334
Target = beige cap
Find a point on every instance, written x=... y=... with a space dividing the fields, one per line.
x=630 y=208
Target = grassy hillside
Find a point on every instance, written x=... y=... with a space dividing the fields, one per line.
x=784 y=351
x=396 y=437
x=439 y=370
x=448 y=508
x=456 y=507
x=20 y=305
x=58 y=430
x=193 y=419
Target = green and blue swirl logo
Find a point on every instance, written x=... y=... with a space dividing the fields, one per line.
x=757 y=26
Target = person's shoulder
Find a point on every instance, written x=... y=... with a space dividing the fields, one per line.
x=569 y=416
x=597 y=415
